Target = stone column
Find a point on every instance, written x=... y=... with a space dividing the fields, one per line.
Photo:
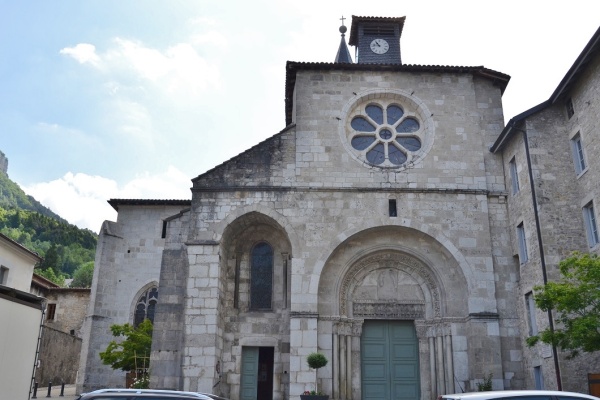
x=203 y=327
x=167 y=337
x=435 y=348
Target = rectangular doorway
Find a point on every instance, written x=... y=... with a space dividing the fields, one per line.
x=257 y=373
x=390 y=361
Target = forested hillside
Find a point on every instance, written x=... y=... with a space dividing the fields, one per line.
x=64 y=247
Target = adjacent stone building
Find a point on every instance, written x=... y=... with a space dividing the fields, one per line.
x=379 y=227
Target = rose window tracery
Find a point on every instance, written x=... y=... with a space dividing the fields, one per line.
x=385 y=135
x=387 y=128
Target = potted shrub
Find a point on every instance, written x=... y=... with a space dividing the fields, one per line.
x=315 y=361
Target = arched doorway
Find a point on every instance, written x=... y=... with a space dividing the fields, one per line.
x=382 y=294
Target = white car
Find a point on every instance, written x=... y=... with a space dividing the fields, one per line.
x=141 y=394
x=518 y=395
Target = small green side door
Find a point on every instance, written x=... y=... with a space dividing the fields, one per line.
x=249 y=373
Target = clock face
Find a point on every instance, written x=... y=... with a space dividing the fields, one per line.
x=380 y=46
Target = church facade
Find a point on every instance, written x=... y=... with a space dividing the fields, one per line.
x=381 y=228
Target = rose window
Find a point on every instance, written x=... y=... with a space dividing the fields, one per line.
x=385 y=135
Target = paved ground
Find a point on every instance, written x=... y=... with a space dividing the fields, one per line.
x=68 y=394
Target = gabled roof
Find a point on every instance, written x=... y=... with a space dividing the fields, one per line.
x=115 y=203
x=18 y=246
x=562 y=90
x=42 y=282
x=292 y=67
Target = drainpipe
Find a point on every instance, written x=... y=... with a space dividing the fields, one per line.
x=541 y=249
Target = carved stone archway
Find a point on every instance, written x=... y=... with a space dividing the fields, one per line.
x=390 y=285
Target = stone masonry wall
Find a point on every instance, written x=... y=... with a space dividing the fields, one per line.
x=560 y=194
x=128 y=260
x=71 y=308
x=59 y=358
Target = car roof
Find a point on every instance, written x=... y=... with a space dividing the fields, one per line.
x=514 y=393
x=191 y=395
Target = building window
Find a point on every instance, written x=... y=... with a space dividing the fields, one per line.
x=392 y=208
x=578 y=156
x=145 y=306
x=589 y=216
x=385 y=135
x=522 y=243
x=261 y=277
x=514 y=177
x=530 y=306
x=3 y=275
x=51 y=312
x=569 y=107
x=163 y=233
x=387 y=129
x=538 y=378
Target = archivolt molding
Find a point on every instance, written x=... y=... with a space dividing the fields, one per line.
x=220 y=228
x=133 y=302
x=392 y=260
x=420 y=228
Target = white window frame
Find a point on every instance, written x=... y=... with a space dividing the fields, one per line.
x=522 y=243
x=579 y=158
x=514 y=176
x=531 y=319
x=591 y=226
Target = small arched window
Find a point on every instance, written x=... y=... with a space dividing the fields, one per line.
x=145 y=306
x=261 y=277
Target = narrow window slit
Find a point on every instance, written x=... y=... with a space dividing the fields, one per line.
x=393 y=209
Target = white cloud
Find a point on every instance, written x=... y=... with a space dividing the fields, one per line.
x=83 y=52
x=178 y=68
x=81 y=199
x=213 y=38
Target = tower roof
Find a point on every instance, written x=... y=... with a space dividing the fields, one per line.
x=343 y=54
x=356 y=20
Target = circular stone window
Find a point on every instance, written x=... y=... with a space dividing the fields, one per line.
x=387 y=129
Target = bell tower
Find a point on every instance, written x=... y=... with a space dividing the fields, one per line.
x=377 y=39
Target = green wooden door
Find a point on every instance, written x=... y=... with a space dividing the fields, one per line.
x=249 y=373
x=390 y=361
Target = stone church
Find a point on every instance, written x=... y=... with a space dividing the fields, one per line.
x=395 y=225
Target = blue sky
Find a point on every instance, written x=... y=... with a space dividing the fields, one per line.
x=131 y=99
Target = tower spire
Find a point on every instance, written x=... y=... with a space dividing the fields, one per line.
x=343 y=54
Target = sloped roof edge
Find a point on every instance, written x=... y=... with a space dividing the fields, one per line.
x=284 y=130
x=22 y=248
x=115 y=203
x=561 y=90
x=43 y=282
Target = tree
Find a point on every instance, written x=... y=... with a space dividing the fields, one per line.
x=50 y=259
x=131 y=353
x=82 y=277
x=576 y=300
x=49 y=274
x=316 y=361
